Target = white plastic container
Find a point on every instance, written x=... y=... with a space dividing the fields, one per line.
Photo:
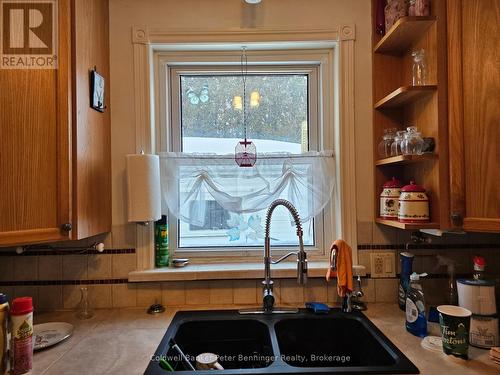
x=478 y=296
x=484 y=331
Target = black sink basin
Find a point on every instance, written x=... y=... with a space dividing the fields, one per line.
x=334 y=343
x=344 y=341
x=239 y=343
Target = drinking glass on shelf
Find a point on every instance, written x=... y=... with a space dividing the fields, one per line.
x=384 y=147
x=396 y=144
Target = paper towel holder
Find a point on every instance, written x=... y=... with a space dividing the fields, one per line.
x=143 y=188
x=143 y=223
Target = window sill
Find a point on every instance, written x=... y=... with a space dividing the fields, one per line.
x=218 y=271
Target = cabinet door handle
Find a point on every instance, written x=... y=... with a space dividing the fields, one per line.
x=457 y=219
x=66 y=227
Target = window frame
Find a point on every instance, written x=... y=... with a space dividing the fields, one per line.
x=318 y=63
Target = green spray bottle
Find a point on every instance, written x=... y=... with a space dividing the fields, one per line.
x=161 y=242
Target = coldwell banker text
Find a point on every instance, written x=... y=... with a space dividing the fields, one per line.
x=28 y=34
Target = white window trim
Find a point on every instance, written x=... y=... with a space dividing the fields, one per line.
x=169 y=65
x=148 y=40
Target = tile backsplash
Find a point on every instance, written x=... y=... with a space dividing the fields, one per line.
x=55 y=280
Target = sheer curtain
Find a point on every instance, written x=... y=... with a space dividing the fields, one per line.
x=190 y=181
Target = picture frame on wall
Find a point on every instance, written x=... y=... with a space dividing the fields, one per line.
x=97 y=91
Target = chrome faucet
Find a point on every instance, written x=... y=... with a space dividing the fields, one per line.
x=268 y=296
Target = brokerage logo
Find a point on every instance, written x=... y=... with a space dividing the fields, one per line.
x=28 y=34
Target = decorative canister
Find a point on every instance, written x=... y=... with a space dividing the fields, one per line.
x=413 y=204
x=394 y=10
x=419 y=8
x=389 y=199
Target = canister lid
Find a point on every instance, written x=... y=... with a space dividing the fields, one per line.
x=413 y=187
x=476 y=282
x=393 y=183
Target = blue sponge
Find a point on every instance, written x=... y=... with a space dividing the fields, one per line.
x=317 y=307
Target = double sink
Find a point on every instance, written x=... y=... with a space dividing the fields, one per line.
x=301 y=343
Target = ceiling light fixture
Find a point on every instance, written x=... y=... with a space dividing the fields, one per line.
x=252 y=1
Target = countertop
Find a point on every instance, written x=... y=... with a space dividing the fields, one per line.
x=122 y=341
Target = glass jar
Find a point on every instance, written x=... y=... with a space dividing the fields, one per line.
x=413 y=142
x=396 y=144
x=419 y=68
x=384 y=147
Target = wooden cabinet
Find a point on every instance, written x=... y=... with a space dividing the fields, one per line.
x=55 y=175
x=398 y=104
x=474 y=113
x=459 y=107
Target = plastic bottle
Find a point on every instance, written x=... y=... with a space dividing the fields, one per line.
x=22 y=336
x=416 y=322
x=4 y=326
x=479 y=266
x=406 y=259
x=161 y=242
x=452 y=295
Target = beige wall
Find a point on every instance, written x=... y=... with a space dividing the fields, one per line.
x=231 y=14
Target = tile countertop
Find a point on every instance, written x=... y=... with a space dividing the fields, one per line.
x=122 y=342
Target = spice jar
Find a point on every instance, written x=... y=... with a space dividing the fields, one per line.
x=22 y=336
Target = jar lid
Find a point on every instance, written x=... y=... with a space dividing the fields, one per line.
x=476 y=282
x=21 y=305
x=479 y=260
x=394 y=183
x=413 y=187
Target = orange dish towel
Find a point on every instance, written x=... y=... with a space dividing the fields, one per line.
x=344 y=267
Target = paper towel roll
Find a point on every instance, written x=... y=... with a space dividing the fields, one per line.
x=143 y=183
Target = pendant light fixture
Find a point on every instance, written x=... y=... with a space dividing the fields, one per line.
x=245 y=152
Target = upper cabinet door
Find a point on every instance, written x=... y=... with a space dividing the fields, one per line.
x=35 y=145
x=474 y=113
x=91 y=128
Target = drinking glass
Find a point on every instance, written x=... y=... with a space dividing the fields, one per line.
x=84 y=310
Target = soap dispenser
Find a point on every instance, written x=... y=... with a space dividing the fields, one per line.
x=416 y=322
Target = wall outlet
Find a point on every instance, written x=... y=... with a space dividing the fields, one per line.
x=383 y=264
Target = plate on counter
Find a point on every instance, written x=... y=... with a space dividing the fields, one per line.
x=48 y=334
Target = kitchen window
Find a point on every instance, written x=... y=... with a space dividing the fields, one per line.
x=200 y=111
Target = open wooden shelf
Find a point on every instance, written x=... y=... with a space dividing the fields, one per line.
x=408 y=226
x=405 y=159
x=405 y=32
x=404 y=95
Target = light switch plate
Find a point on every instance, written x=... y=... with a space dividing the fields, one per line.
x=383 y=264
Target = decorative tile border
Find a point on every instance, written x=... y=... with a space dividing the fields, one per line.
x=63 y=282
x=67 y=251
x=427 y=246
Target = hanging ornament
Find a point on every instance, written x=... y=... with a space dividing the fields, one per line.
x=245 y=152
